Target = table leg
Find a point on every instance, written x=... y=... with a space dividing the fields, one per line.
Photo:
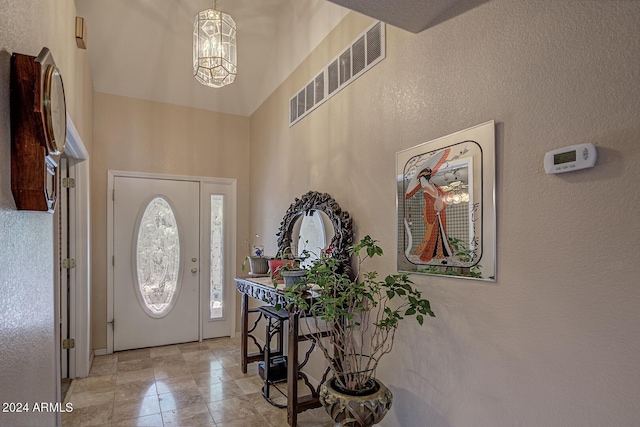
x=292 y=371
x=244 y=324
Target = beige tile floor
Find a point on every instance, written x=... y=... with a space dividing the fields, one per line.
x=194 y=384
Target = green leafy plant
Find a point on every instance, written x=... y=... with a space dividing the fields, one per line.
x=291 y=262
x=358 y=315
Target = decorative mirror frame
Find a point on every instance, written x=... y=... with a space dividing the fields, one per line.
x=340 y=219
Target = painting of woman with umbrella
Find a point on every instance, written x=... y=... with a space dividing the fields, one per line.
x=435 y=243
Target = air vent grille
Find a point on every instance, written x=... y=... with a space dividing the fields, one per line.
x=332 y=71
x=374 y=44
x=293 y=109
x=360 y=56
x=320 y=87
x=345 y=66
x=310 y=96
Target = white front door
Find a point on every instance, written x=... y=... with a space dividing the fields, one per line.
x=156 y=265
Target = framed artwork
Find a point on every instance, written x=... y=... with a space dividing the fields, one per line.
x=446 y=216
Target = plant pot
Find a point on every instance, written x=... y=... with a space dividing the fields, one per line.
x=293 y=278
x=274 y=269
x=349 y=410
x=258 y=265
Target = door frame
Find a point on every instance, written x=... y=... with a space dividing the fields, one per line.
x=231 y=261
x=80 y=276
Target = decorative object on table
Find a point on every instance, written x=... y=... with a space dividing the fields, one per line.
x=258 y=265
x=214 y=48
x=276 y=265
x=293 y=277
x=352 y=307
x=38 y=130
x=446 y=205
x=293 y=273
x=257 y=262
x=319 y=222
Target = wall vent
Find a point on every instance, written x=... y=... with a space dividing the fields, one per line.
x=361 y=55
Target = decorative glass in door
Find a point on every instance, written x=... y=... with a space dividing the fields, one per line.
x=216 y=288
x=157 y=258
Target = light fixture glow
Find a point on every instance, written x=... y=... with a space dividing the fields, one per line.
x=214 y=48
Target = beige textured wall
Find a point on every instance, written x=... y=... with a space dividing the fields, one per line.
x=144 y=136
x=554 y=342
x=27 y=320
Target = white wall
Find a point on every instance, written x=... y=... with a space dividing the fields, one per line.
x=556 y=340
x=27 y=338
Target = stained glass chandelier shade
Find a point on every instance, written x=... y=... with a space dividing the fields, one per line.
x=214 y=48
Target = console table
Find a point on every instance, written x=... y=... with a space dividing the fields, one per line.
x=262 y=289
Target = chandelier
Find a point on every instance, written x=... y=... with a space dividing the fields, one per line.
x=214 y=48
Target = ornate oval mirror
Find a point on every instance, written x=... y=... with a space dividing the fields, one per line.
x=317 y=223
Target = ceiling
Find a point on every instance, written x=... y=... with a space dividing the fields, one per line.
x=411 y=15
x=143 y=48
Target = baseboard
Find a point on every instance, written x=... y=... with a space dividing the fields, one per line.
x=99 y=352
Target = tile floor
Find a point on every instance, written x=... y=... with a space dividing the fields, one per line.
x=194 y=384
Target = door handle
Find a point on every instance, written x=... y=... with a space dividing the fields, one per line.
x=194 y=259
x=194 y=270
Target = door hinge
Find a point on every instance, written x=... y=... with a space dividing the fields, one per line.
x=69 y=263
x=68 y=183
x=68 y=344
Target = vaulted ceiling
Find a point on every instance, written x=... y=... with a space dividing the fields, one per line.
x=143 y=48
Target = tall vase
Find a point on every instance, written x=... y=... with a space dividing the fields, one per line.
x=349 y=410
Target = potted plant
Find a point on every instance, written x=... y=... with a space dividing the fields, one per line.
x=293 y=276
x=293 y=273
x=360 y=316
x=285 y=268
x=282 y=260
x=257 y=262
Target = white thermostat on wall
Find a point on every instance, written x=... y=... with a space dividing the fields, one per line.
x=571 y=158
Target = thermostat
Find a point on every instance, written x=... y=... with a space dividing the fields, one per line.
x=571 y=158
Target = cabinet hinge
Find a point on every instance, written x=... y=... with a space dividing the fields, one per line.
x=68 y=344
x=69 y=263
x=68 y=183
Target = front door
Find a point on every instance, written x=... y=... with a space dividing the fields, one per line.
x=156 y=262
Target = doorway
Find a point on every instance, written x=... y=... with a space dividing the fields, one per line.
x=171 y=252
